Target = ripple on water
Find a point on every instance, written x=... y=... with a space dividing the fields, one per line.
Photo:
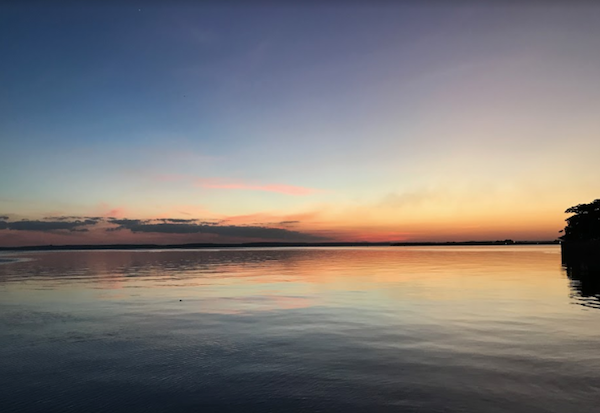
x=353 y=330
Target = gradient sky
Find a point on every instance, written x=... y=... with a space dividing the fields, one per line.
x=422 y=121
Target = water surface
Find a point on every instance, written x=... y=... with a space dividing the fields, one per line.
x=402 y=329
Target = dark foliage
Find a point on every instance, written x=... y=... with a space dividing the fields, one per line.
x=584 y=225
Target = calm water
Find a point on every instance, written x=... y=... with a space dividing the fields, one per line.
x=486 y=329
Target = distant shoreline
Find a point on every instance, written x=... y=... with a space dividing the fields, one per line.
x=271 y=245
x=466 y=243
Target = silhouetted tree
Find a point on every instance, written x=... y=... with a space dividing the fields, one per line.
x=585 y=224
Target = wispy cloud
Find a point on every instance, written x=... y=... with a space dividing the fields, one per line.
x=106 y=210
x=284 y=223
x=221 y=183
x=237 y=184
x=272 y=218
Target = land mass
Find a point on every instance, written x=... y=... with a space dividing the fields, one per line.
x=269 y=245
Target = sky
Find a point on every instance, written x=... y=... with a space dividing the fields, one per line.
x=135 y=122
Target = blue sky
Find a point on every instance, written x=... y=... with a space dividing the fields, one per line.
x=411 y=121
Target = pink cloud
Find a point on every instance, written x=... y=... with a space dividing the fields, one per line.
x=107 y=211
x=225 y=183
x=116 y=213
x=273 y=219
x=220 y=183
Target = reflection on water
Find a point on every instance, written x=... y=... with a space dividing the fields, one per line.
x=473 y=329
x=585 y=281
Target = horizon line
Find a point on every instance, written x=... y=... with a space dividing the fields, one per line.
x=267 y=244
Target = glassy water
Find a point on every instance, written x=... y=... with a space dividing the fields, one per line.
x=454 y=329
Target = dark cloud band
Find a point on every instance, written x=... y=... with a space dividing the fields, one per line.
x=43 y=226
x=221 y=230
x=160 y=226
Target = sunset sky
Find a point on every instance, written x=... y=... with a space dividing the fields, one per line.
x=127 y=122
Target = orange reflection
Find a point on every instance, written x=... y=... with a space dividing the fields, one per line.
x=242 y=280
